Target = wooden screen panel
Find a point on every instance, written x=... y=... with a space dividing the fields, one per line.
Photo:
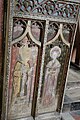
x=56 y=60
x=25 y=48
x=28 y=14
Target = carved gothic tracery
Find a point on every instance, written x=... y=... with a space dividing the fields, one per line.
x=47 y=7
x=22 y=27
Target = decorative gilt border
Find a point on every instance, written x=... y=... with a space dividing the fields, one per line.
x=8 y=36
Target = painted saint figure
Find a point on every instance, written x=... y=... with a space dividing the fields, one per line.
x=51 y=75
x=24 y=71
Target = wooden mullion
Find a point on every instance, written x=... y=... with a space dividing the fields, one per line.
x=36 y=83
